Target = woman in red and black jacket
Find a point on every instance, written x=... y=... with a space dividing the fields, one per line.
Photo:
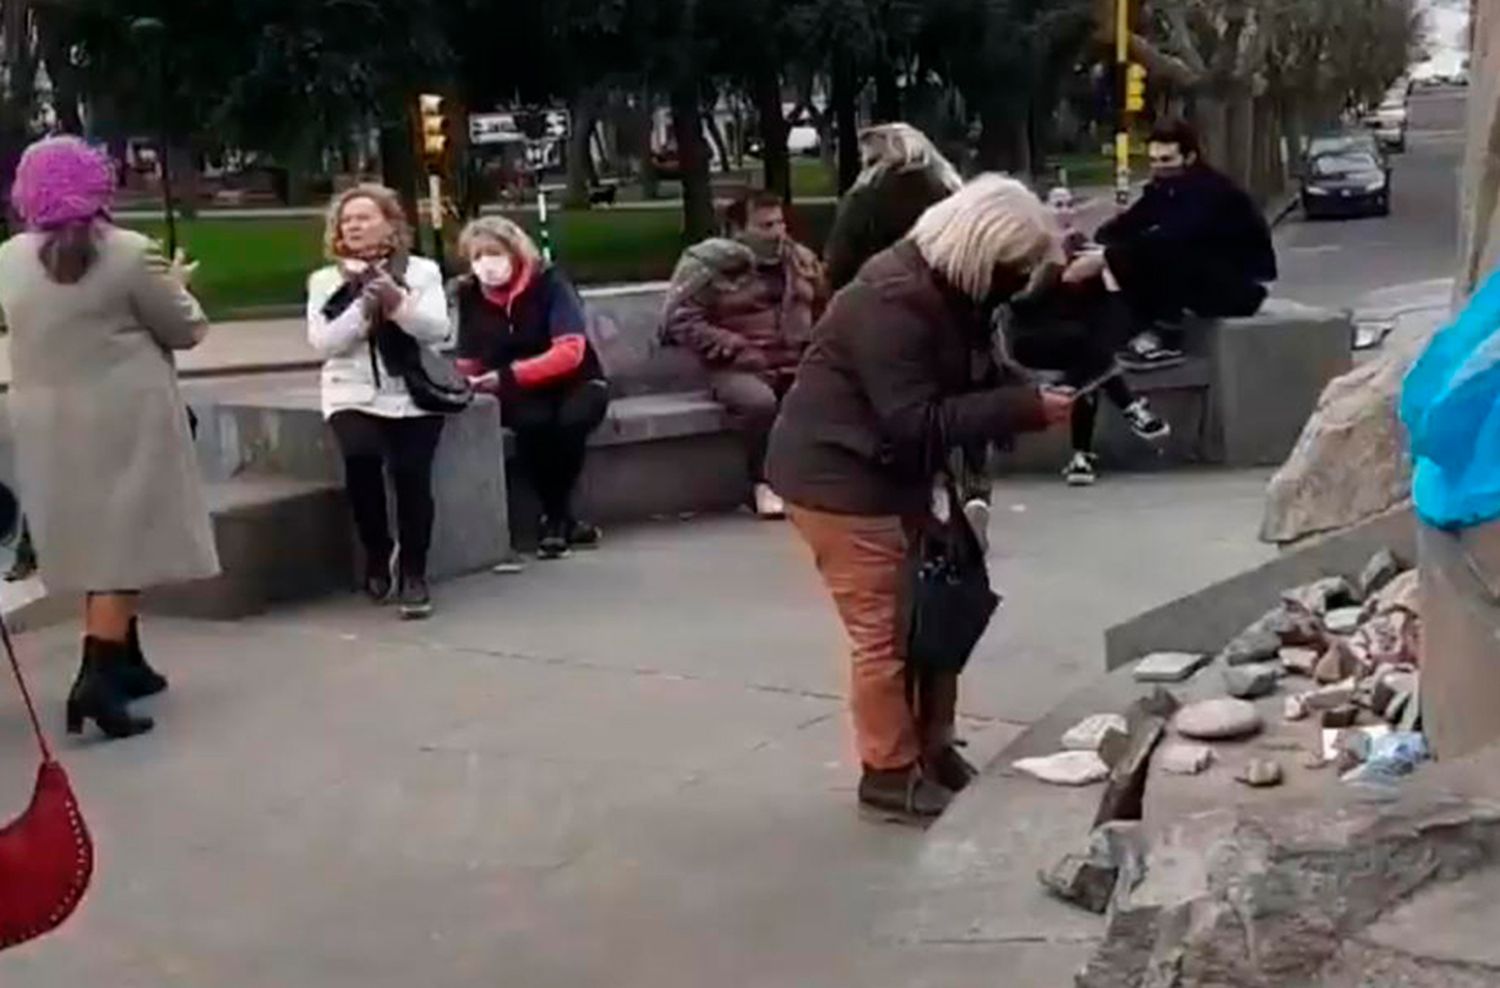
x=521 y=336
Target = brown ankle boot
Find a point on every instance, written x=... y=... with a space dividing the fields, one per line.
x=903 y=790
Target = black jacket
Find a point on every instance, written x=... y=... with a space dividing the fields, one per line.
x=891 y=364
x=873 y=217
x=1204 y=212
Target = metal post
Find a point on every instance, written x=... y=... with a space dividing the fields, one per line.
x=435 y=216
x=1122 y=71
x=544 y=231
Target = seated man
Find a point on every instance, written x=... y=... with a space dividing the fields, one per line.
x=1194 y=242
x=746 y=305
x=1076 y=327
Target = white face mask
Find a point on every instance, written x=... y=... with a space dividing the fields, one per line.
x=494 y=270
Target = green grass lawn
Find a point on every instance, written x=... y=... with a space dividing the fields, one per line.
x=247 y=264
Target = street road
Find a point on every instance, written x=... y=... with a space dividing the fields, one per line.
x=1338 y=262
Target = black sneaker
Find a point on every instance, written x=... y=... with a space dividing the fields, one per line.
x=582 y=535
x=1146 y=423
x=554 y=541
x=378 y=581
x=1147 y=352
x=1080 y=471
x=415 y=599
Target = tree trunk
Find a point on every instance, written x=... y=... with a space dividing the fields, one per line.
x=585 y=111
x=1241 y=135
x=846 y=118
x=887 y=92
x=766 y=90
x=398 y=159
x=1002 y=140
x=692 y=157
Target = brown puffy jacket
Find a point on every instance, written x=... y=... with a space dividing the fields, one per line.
x=737 y=313
x=886 y=390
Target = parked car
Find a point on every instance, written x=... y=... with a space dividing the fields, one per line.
x=1339 y=142
x=1346 y=183
x=1389 y=123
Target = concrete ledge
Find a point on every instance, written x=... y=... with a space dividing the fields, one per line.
x=276 y=429
x=1240 y=400
x=1206 y=620
x=1268 y=373
x=279 y=540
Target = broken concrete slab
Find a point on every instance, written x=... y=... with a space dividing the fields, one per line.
x=1277 y=893
x=1321 y=596
x=1186 y=759
x=1088 y=734
x=1378 y=573
x=1344 y=621
x=1066 y=768
x=1089 y=880
x=1169 y=667
x=1299 y=661
x=1130 y=761
x=1251 y=682
x=1260 y=773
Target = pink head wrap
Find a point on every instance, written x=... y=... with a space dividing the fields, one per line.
x=62 y=180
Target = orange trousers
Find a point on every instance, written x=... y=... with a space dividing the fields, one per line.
x=896 y=722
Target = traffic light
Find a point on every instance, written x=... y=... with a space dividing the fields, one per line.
x=1135 y=88
x=434 y=128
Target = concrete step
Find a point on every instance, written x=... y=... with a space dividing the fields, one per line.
x=279 y=540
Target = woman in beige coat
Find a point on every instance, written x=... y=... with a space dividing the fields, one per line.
x=105 y=459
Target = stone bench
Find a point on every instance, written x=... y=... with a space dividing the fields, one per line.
x=1241 y=399
x=275 y=481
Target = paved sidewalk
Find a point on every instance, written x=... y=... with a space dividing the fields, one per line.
x=627 y=769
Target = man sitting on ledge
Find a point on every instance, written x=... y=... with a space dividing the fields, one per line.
x=1194 y=242
x=746 y=305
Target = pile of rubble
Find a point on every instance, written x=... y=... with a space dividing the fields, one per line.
x=1341 y=655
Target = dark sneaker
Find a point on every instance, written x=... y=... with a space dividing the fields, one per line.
x=582 y=535
x=1145 y=423
x=951 y=770
x=415 y=599
x=378 y=582
x=903 y=791
x=554 y=541
x=1147 y=352
x=1080 y=471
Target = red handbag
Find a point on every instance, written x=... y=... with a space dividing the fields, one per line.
x=46 y=855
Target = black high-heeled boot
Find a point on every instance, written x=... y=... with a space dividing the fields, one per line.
x=136 y=677
x=97 y=696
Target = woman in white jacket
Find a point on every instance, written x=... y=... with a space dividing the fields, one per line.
x=373 y=286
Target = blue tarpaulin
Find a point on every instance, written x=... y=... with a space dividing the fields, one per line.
x=1450 y=404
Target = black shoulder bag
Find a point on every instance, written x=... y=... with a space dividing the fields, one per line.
x=434 y=383
x=948 y=601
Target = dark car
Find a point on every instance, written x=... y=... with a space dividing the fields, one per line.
x=1346 y=183
x=1342 y=142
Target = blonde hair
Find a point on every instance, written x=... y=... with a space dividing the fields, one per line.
x=504 y=232
x=384 y=198
x=992 y=221
x=900 y=147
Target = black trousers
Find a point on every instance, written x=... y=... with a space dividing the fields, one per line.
x=406 y=447
x=1076 y=331
x=1163 y=281
x=552 y=430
